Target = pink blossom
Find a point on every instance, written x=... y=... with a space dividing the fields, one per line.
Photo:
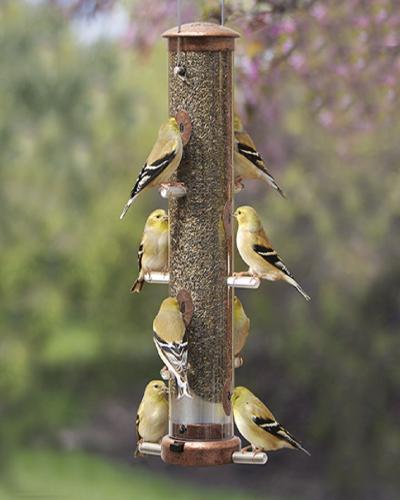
x=360 y=64
x=381 y=15
x=362 y=22
x=319 y=11
x=341 y=70
x=250 y=67
x=288 y=45
x=288 y=26
x=298 y=61
x=390 y=80
x=325 y=117
x=391 y=40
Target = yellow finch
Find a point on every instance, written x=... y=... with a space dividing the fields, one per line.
x=257 y=251
x=152 y=415
x=241 y=327
x=257 y=424
x=161 y=163
x=153 y=249
x=248 y=162
x=171 y=342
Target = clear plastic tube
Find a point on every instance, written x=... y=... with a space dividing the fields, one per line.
x=201 y=256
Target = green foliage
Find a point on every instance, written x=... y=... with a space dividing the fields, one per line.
x=46 y=474
x=76 y=122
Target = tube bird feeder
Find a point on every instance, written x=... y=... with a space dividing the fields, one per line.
x=201 y=242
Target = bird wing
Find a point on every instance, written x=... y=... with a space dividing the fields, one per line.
x=174 y=354
x=276 y=429
x=163 y=147
x=270 y=256
x=266 y=421
x=247 y=148
x=152 y=169
x=170 y=326
x=140 y=256
x=163 y=153
x=263 y=417
x=138 y=419
x=259 y=410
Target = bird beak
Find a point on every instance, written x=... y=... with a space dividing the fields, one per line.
x=165 y=218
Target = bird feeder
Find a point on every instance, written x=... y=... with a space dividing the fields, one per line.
x=201 y=430
x=201 y=242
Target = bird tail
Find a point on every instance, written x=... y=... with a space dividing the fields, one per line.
x=298 y=287
x=183 y=387
x=272 y=182
x=137 y=286
x=293 y=442
x=280 y=191
x=126 y=207
x=299 y=447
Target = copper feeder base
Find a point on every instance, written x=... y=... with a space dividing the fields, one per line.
x=198 y=453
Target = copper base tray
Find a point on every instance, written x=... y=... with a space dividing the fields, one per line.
x=198 y=453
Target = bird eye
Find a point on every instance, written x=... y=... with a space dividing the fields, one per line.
x=156 y=386
x=239 y=213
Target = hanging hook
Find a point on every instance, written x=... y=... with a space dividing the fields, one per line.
x=222 y=3
x=179 y=70
x=178 y=14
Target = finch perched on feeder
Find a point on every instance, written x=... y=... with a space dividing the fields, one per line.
x=161 y=163
x=153 y=249
x=241 y=327
x=258 y=425
x=171 y=342
x=248 y=162
x=152 y=415
x=257 y=251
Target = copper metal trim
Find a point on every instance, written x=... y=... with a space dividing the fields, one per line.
x=185 y=305
x=185 y=125
x=201 y=37
x=201 y=29
x=200 y=44
x=198 y=453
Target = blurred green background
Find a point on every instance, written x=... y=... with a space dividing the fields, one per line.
x=77 y=120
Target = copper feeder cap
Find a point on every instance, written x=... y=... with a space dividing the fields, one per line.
x=193 y=37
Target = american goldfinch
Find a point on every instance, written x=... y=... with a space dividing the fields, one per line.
x=248 y=162
x=161 y=163
x=153 y=249
x=257 y=424
x=241 y=327
x=152 y=415
x=171 y=342
x=257 y=251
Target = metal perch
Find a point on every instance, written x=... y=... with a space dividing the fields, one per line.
x=232 y=281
